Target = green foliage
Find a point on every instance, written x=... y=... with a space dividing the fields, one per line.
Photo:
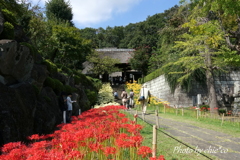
x=51 y=67
x=58 y=85
x=204 y=107
x=105 y=94
x=9 y=16
x=92 y=96
x=69 y=89
x=64 y=69
x=47 y=99
x=49 y=82
x=8 y=31
x=32 y=49
x=96 y=82
x=77 y=79
x=60 y=9
x=68 y=48
x=222 y=111
x=102 y=64
x=140 y=59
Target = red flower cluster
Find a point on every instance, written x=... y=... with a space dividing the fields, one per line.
x=161 y=157
x=102 y=133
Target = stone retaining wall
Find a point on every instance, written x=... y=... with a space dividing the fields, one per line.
x=226 y=84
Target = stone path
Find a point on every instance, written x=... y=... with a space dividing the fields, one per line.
x=221 y=145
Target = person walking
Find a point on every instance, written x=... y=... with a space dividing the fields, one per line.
x=146 y=93
x=69 y=104
x=124 y=97
x=131 y=99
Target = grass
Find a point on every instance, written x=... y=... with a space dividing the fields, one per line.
x=228 y=126
x=166 y=145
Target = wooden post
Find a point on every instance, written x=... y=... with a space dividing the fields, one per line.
x=222 y=119
x=79 y=113
x=135 y=118
x=143 y=116
x=164 y=111
x=197 y=113
x=182 y=111
x=157 y=119
x=154 y=142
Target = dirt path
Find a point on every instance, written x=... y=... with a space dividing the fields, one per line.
x=218 y=144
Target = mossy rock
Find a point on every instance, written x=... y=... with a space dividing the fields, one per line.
x=32 y=49
x=49 y=82
x=36 y=89
x=58 y=85
x=51 y=67
x=77 y=79
x=69 y=89
x=8 y=31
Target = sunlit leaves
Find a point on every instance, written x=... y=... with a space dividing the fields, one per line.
x=102 y=64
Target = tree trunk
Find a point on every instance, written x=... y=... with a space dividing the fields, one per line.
x=211 y=86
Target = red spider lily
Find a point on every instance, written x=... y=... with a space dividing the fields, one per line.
x=161 y=157
x=34 y=137
x=144 y=151
x=109 y=150
x=91 y=132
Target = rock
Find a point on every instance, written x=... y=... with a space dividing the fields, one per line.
x=48 y=113
x=16 y=63
x=1 y=22
x=18 y=107
x=23 y=114
x=38 y=75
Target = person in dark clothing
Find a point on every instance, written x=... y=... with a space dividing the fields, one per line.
x=63 y=105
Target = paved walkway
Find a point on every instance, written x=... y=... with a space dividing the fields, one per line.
x=221 y=145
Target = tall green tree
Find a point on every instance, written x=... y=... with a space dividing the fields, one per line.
x=140 y=59
x=102 y=64
x=60 y=9
x=202 y=48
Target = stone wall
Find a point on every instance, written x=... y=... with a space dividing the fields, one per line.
x=227 y=86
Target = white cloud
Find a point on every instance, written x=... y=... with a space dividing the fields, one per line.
x=88 y=12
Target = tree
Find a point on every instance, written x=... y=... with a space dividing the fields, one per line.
x=59 y=9
x=140 y=59
x=202 y=48
x=102 y=64
x=227 y=12
x=68 y=46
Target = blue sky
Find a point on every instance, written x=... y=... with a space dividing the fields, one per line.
x=103 y=13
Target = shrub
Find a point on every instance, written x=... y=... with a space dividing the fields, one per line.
x=8 y=31
x=9 y=16
x=58 y=85
x=51 y=67
x=77 y=79
x=222 y=111
x=204 y=107
x=92 y=96
x=69 y=89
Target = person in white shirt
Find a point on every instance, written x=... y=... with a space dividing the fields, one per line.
x=146 y=93
x=69 y=104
